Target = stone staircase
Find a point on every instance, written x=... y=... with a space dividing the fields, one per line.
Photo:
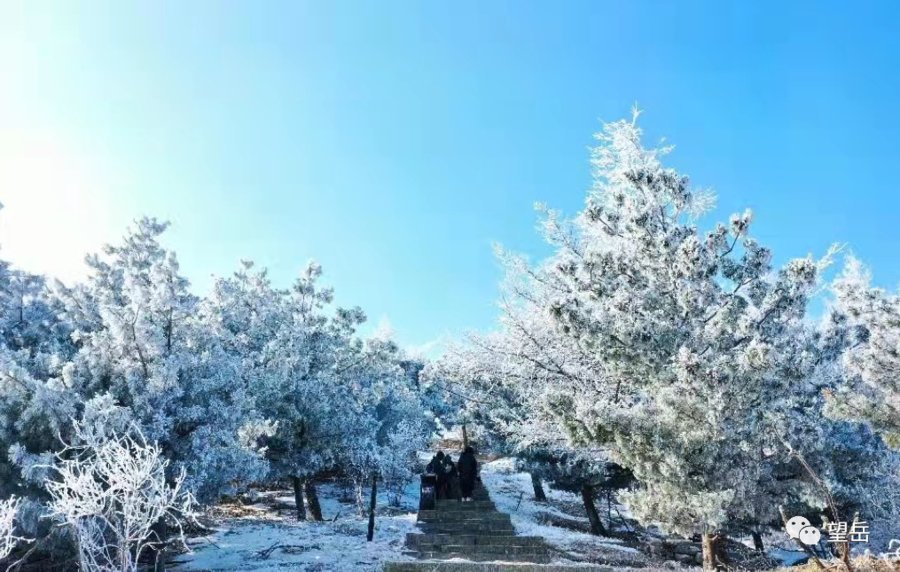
x=474 y=537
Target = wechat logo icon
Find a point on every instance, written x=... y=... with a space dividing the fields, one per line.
x=800 y=529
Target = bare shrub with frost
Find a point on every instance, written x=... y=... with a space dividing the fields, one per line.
x=8 y=512
x=113 y=494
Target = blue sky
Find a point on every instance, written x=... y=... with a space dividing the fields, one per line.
x=394 y=142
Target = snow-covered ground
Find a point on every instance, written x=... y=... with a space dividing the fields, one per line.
x=265 y=536
x=513 y=493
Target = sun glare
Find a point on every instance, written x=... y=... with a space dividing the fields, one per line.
x=54 y=210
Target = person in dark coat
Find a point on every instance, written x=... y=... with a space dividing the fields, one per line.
x=437 y=467
x=452 y=478
x=435 y=463
x=467 y=467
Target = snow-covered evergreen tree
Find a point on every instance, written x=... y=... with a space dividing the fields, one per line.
x=144 y=341
x=36 y=403
x=680 y=353
x=279 y=339
x=510 y=384
x=249 y=382
x=328 y=400
x=868 y=320
x=386 y=414
x=696 y=338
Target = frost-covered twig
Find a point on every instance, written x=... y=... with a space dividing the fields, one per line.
x=112 y=493
x=8 y=540
x=265 y=554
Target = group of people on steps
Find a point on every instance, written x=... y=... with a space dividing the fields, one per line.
x=449 y=475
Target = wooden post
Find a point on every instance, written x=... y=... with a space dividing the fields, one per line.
x=371 y=534
x=298 y=499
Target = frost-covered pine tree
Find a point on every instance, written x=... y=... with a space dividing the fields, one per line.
x=35 y=402
x=250 y=382
x=389 y=423
x=694 y=332
x=676 y=350
x=868 y=320
x=326 y=399
x=144 y=341
x=288 y=346
x=511 y=383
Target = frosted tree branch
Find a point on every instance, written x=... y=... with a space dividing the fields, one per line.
x=113 y=493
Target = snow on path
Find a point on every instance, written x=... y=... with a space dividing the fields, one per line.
x=241 y=542
x=513 y=494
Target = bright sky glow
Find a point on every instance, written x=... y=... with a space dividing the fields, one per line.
x=395 y=142
x=59 y=205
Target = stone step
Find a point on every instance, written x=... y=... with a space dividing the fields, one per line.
x=460 y=527
x=474 y=532
x=461 y=515
x=490 y=567
x=496 y=549
x=463 y=509
x=457 y=505
x=479 y=525
x=536 y=558
x=471 y=539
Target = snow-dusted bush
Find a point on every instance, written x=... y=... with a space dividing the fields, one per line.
x=112 y=492
x=880 y=504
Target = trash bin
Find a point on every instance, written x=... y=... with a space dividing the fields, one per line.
x=428 y=492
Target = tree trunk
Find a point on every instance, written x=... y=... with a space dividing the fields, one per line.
x=160 y=531
x=587 y=495
x=465 y=437
x=298 y=499
x=371 y=534
x=538 y=488
x=710 y=544
x=312 y=497
x=758 y=541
